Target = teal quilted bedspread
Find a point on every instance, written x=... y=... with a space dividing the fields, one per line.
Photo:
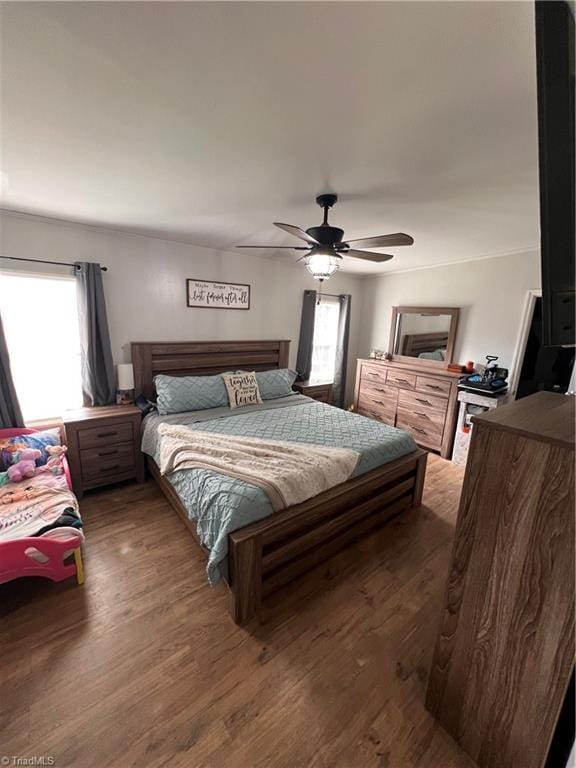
x=221 y=504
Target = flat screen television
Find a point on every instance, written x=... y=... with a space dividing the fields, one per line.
x=555 y=79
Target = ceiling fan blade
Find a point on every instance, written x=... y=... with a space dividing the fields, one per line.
x=382 y=241
x=367 y=255
x=297 y=232
x=277 y=247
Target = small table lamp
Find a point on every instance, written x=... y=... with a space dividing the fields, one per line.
x=125 y=391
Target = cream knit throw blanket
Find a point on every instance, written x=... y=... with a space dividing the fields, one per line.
x=288 y=472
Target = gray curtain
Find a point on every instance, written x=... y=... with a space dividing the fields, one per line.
x=98 y=379
x=305 y=342
x=342 y=350
x=10 y=413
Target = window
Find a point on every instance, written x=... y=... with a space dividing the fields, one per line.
x=40 y=319
x=325 y=339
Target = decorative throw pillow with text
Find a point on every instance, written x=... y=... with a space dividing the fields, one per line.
x=242 y=389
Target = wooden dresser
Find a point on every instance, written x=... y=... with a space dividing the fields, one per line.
x=423 y=401
x=505 y=648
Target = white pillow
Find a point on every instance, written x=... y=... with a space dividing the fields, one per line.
x=242 y=389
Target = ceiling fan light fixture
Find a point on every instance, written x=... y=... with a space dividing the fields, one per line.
x=327 y=246
x=322 y=264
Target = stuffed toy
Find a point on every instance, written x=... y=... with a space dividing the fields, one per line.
x=25 y=466
x=54 y=463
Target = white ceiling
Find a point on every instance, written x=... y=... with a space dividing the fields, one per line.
x=206 y=121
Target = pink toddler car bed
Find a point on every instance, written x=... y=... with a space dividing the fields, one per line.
x=45 y=554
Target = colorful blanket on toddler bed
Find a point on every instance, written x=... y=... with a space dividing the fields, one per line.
x=35 y=505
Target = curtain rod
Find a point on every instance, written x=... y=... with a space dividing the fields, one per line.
x=44 y=261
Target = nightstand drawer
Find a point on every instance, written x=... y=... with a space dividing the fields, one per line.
x=90 y=483
x=107 y=466
x=105 y=435
x=106 y=453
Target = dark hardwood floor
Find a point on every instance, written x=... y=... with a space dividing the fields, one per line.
x=142 y=666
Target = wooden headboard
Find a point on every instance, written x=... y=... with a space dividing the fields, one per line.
x=414 y=344
x=202 y=358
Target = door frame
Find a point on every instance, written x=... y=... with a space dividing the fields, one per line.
x=522 y=338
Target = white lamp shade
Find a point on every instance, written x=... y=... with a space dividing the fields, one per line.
x=125 y=376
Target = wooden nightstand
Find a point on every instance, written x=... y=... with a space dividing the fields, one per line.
x=103 y=446
x=321 y=391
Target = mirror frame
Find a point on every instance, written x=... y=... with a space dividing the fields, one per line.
x=453 y=312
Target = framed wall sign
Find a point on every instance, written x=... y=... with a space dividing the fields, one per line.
x=205 y=294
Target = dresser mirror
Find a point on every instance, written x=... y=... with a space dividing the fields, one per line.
x=423 y=334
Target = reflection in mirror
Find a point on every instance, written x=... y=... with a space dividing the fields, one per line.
x=424 y=336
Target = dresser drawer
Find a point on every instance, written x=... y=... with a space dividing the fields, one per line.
x=107 y=466
x=379 y=406
x=380 y=414
x=380 y=393
x=428 y=434
x=433 y=386
x=416 y=401
x=372 y=374
x=426 y=418
x=402 y=380
x=104 y=436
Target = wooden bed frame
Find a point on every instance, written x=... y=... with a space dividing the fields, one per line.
x=414 y=344
x=265 y=555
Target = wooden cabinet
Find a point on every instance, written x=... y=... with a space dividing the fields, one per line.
x=505 y=648
x=321 y=391
x=103 y=446
x=421 y=401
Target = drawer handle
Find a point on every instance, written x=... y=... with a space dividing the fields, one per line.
x=107 y=434
x=108 y=453
x=379 y=402
x=424 y=402
x=423 y=431
x=424 y=415
x=379 y=389
x=403 y=381
x=109 y=469
x=433 y=386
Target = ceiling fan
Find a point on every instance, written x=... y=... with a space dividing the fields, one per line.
x=326 y=247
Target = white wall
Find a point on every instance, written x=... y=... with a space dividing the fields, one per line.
x=145 y=291
x=490 y=293
x=145 y=285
